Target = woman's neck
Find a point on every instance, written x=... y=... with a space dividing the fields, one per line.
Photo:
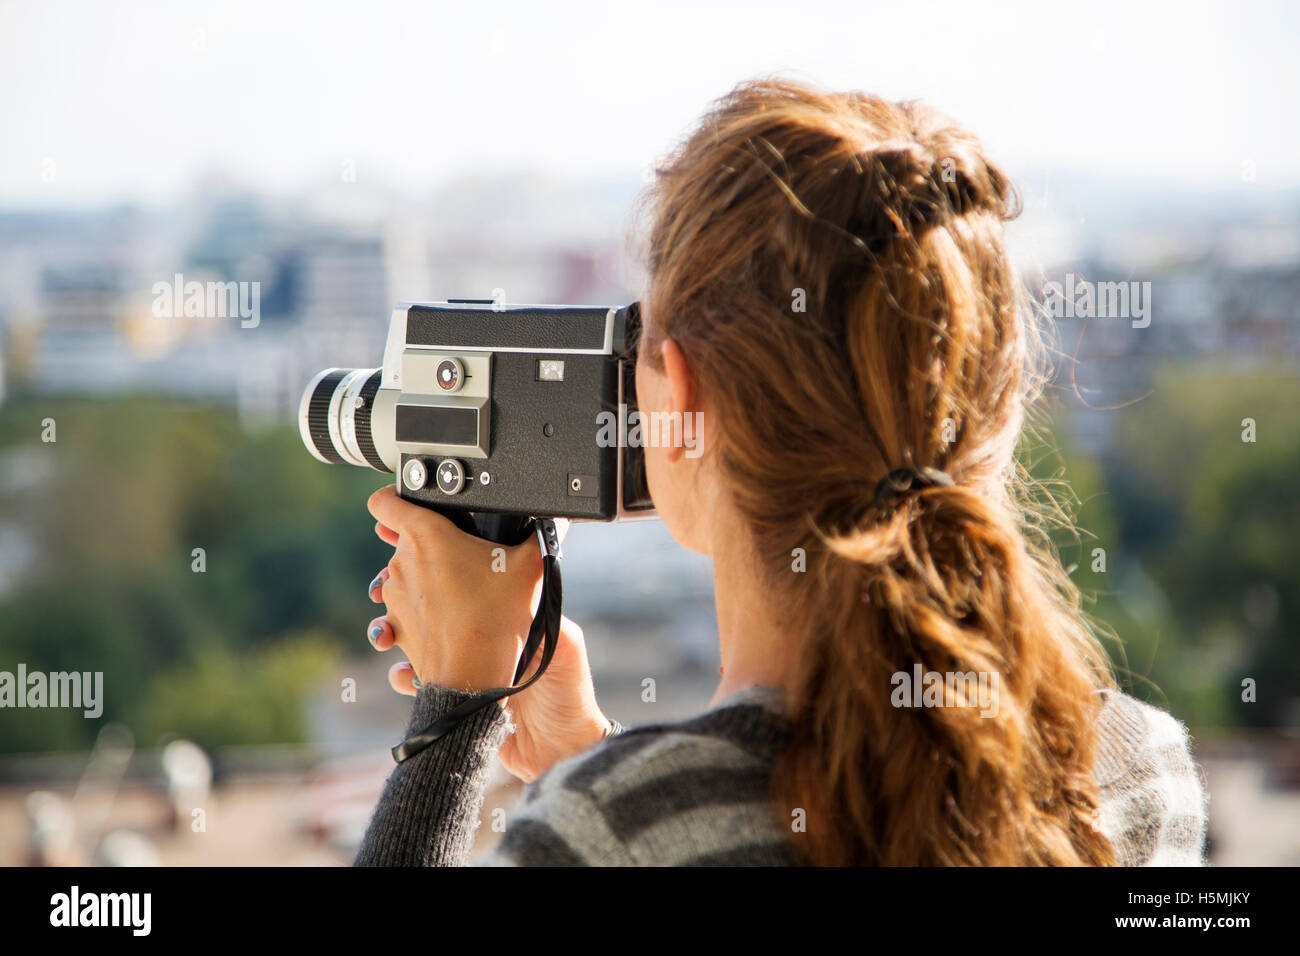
x=755 y=648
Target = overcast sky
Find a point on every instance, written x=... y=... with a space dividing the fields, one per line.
x=133 y=100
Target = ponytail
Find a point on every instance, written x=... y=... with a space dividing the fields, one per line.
x=983 y=757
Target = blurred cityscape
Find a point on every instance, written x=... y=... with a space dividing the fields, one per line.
x=77 y=300
x=78 y=316
x=78 y=322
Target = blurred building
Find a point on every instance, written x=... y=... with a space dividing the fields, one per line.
x=78 y=312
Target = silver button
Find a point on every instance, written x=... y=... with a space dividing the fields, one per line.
x=413 y=474
x=451 y=476
x=449 y=375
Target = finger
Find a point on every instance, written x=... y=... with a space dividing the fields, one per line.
x=401 y=677
x=406 y=518
x=386 y=534
x=381 y=634
x=376 y=588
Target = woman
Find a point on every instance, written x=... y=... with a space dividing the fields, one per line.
x=830 y=291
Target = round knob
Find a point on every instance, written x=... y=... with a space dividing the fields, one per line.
x=449 y=375
x=413 y=474
x=451 y=476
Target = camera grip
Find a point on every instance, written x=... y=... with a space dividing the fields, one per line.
x=508 y=530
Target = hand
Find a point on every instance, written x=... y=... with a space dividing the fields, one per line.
x=442 y=594
x=558 y=716
x=458 y=605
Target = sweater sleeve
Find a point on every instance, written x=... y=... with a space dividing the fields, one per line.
x=1153 y=800
x=430 y=806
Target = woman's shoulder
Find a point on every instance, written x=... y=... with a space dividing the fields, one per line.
x=698 y=792
x=694 y=792
x=1153 y=798
x=744 y=732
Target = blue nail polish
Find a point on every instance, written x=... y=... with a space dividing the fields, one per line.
x=379 y=579
x=374 y=634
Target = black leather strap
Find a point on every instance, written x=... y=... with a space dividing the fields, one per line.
x=543 y=632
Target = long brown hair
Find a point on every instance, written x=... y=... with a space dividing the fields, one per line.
x=833 y=266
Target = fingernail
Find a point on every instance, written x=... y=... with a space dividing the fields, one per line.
x=379 y=579
x=374 y=635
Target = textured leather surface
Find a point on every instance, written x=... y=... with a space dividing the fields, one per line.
x=529 y=472
x=525 y=328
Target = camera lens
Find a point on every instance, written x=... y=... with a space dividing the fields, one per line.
x=334 y=417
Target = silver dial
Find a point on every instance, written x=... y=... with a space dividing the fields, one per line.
x=414 y=475
x=451 y=476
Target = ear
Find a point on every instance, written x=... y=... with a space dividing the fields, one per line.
x=683 y=390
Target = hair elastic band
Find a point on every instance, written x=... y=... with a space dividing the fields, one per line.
x=901 y=481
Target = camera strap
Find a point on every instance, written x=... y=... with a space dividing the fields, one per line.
x=544 y=632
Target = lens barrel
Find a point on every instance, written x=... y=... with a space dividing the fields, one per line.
x=334 y=417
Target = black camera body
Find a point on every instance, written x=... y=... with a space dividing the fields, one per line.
x=493 y=414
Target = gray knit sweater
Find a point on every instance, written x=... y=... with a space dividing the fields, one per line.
x=696 y=792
